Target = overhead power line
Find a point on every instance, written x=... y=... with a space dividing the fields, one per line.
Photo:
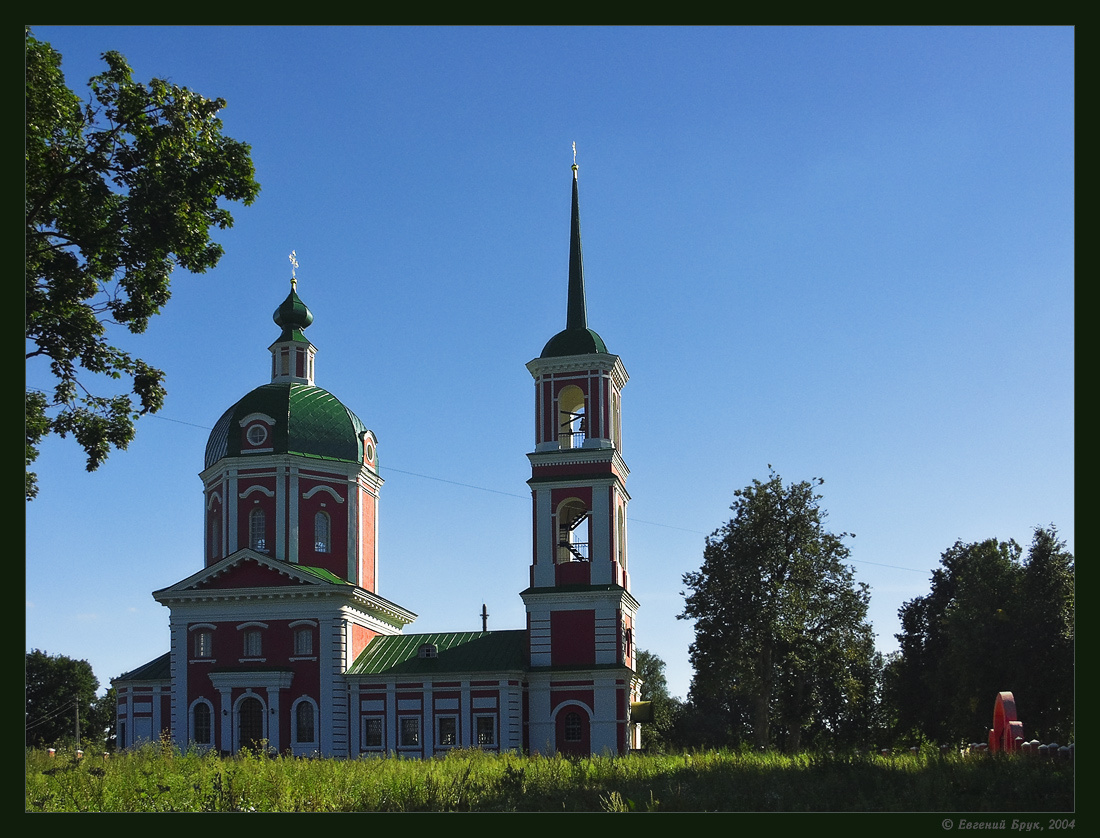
x=525 y=497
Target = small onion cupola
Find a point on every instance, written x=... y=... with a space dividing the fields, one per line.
x=292 y=354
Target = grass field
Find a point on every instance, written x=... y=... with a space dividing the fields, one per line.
x=161 y=779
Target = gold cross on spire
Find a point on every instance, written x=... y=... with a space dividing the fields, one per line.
x=574 y=158
x=293 y=269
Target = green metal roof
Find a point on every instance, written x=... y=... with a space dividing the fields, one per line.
x=321 y=573
x=292 y=316
x=469 y=651
x=308 y=420
x=573 y=342
x=159 y=669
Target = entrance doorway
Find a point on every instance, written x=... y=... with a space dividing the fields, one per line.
x=250 y=724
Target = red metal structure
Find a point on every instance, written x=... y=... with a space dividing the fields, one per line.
x=1007 y=732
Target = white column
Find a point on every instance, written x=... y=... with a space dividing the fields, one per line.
x=226 y=719
x=391 y=740
x=232 y=503
x=177 y=668
x=540 y=728
x=273 y=719
x=295 y=524
x=605 y=717
x=281 y=533
x=545 y=542
x=600 y=550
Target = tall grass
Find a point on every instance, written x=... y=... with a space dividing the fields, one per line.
x=159 y=778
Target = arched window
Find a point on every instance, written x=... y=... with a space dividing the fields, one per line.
x=572 y=423
x=215 y=534
x=616 y=421
x=573 y=727
x=253 y=643
x=574 y=525
x=257 y=530
x=573 y=731
x=202 y=728
x=322 y=532
x=620 y=537
x=303 y=641
x=304 y=722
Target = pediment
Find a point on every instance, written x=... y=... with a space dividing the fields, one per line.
x=248 y=569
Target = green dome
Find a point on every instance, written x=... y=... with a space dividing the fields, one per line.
x=573 y=342
x=309 y=421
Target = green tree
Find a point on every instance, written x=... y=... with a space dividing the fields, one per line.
x=119 y=191
x=61 y=693
x=656 y=735
x=1045 y=698
x=991 y=622
x=783 y=652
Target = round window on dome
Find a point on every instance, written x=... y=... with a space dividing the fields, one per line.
x=257 y=434
x=370 y=453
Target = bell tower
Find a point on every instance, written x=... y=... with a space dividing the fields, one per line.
x=580 y=613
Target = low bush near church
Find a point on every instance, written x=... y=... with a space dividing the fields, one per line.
x=159 y=778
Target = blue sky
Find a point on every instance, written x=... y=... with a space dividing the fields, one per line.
x=843 y=252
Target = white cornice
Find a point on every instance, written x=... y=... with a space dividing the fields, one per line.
x=570 y=595
x=603 y=362
x=373 y=609
x=351 y=472
x=257 y=679
x=604 y=676
x=579 y=456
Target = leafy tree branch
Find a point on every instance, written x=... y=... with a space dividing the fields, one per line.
x=120 y=190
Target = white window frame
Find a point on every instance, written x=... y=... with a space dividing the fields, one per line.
x=492 y=724
x=203 y=644
x=297 y=743
x=257 y=529
x=368 y=722
x=201 y=702
x=439 y=720
x=408 y=724
x=322 y=545
x=567 y=728
x=303 y=642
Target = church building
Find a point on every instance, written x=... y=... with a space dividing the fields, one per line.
x=282 y=640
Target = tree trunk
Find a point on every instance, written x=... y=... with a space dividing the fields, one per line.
x=761 y=710
x=794 y=723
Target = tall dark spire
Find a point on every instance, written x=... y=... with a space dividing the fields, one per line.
x=576 y=338
x=577 y=314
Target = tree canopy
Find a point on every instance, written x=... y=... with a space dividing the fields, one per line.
x=657 y=735
x=783 y=652
x=120 y=189
x=61 y=693
x=991 y=622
